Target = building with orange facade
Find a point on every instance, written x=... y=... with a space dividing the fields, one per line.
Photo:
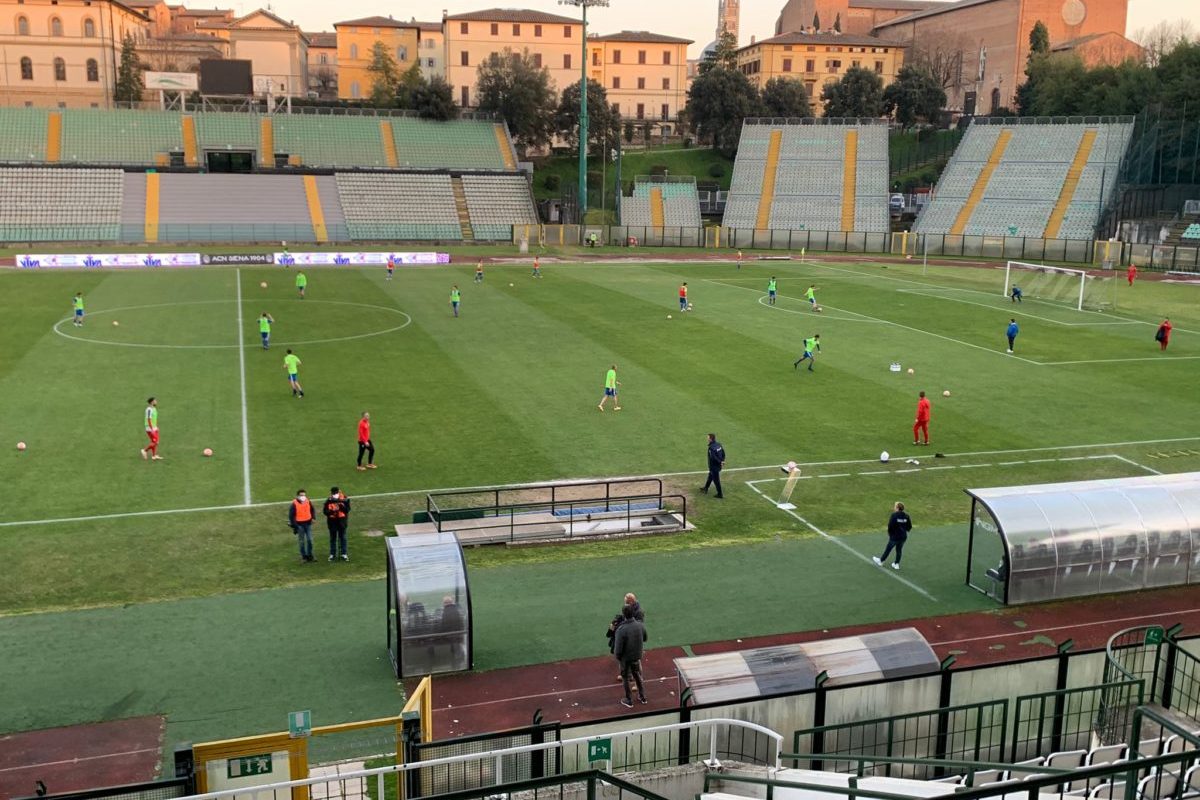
x=644 y=74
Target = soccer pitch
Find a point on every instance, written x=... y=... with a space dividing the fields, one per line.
x=507 y=393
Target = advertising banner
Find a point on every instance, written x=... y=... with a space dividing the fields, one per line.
x=358 y=259
x=106 y=260
x=237 y=258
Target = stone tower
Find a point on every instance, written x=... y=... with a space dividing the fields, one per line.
x=728 y=15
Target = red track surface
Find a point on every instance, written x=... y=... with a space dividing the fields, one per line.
x=587 y=689
x=81 y=756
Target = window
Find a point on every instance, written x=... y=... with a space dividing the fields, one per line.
x=402 y=53
x=566 y=60
x=787 y=48
x=833 y=65
x=495 y=29
x=787 y=65
x=566 y=31
x=465 y=97
x=856 y=63
x=641 y=56
x=641 y=83
x=353 y=51
x=810 y=65
x=89 y=28
x=22 y=26
x=26 y=68
x=516 y=29
x=60 y=69
x=93 y=70
x=429 y=62
x=641 y=110
x=666 y=83
x=537 y=60
x=616 y=56
x=878 y=67
x=323 y=59
x=537 y=30
x=666 y=111
x=595 y=58
x=810 y=88
x=666 y=57
x=355 y=90
x=464 y=60
x=616 y=81
x=55 y=26
x=464 y=28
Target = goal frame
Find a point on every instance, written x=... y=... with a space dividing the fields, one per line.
x=1082 y=273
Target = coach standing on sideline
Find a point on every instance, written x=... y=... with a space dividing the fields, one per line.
x=365 y=445
x=716 y=461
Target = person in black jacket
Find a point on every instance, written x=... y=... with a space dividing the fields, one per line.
x=628 y=645
x=337 y=518
x=899 y=524
x=638 y=614
x=716 y=461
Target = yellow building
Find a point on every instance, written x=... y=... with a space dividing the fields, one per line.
x=278 y=50
x=63 y=53
x=553 y=41
x=816 y=59
x=432 y=50
x=356 y=39
x=644 y=74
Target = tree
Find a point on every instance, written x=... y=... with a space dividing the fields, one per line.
x=718 y=101
x=941 y=57
x=604 y=123
x=411 y=81
x=723 y=54
x=130 y=83
x=783 y=97
x=511 y=85
x=324 y=80
x=858 y=94
x=1160 y=40
x=1039 y=39
x=837 y=22
x=915 y=96
x=434 y=99
x=385 y=76
x=816 y=21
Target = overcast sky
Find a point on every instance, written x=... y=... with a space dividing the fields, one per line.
x=694 y=19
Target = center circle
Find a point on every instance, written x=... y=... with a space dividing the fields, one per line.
x=179 y=320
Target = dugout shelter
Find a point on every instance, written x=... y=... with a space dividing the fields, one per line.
x=1031 y=544
x=429 y=627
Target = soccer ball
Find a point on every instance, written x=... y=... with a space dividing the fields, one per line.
x=208 y=452
x=690 y=306
x=946 y=393
x=510 y=284
x=115 y=323
x=911 y=371
x=20 y=446
x=884 y=457
x=263 y=284
x=818 y=309
x=668 y=316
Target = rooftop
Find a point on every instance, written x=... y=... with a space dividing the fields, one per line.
x=896 y=5
x=377 y=22
x=512 y=15
x=640 y=36
x=934 y=9
x=205 y=12
x=853 y=40
x=322 y=39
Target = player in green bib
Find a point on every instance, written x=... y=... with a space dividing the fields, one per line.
x=77 y=304
x=150 y=418
x=292 y=363
x=455 y=298
x=771 y=287
x=264 y=329
x=812 y=346
x=610 y=388
x=811 y=297
x=301 y=283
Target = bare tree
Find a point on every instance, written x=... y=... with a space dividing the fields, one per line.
x=1161 y=39
x=323 y=80
x=942 y=57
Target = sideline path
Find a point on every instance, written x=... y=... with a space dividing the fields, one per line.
x=587 y=689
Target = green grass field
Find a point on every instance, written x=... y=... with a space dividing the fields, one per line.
x=507 y=393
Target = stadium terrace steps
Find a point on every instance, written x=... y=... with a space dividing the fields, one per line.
x=316 y=214
x=810 y=187
x=331 y=207
x=657 y=213
x=1045 y=170
x=266 y=132
x=153 y=207
x=82 y=205
x=506 y=147
x=460 y=206
x=496 y=203
x=54 y=138
x=389 y=143
x=680 y=204
x=191 y=149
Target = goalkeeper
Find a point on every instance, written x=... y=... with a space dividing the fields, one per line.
x=1016 y=294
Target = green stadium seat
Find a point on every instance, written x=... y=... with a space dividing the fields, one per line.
x=95 y=136
x=24 y=135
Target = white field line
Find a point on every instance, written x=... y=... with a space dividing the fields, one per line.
x=1017 y=313
x=245 y=417
x=1162 y=359
x=860 y=556
x=1130 y=461
x=407 y=492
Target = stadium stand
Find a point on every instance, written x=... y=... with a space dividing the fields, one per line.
x=1042 y=179
x=821 y=175
x=330 y=141
x=466 y=145
x=60 y=204
x=1192 y=232
x=662 y=201
x=398 y=206
x=24 y=139
x=213 y=208
x=94 y=136
x=496 y=203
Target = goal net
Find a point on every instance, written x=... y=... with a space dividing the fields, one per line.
x=1075 y=288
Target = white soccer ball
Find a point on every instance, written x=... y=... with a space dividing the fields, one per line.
x=510 y=284
x=946 y=393
x=884 y=457
x=916 y=463
x=911 y=371
x=668 y=316
x=115 y=323
x=20 y=446
x=690 y=306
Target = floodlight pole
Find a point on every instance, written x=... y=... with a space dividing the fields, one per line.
x=583 y=109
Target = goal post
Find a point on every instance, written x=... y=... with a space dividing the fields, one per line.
x=1076 y=288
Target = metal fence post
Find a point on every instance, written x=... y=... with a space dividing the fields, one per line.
x=943 y=721
x=1056 y=725
x=1169 y=676
x=685 y=734
x=818 y=742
